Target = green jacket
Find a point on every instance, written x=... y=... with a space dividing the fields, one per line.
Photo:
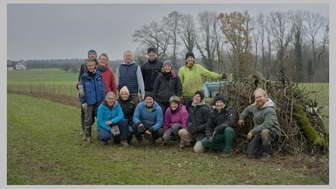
x=263 y=118
x=192 y=78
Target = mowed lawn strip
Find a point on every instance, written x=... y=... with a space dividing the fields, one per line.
x=44 y=147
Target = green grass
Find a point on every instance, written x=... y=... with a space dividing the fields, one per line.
x=44 y=148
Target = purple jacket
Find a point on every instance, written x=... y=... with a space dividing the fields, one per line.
x=179 y=116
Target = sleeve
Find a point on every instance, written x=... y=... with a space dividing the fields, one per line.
x=180 y=74
x=140 y=81
x=208 y=127
x=184 y=120
x=206 y=73
x=230 y=121
x=178 y=86
x=113 y=84
x=159 y=119
x=269 y=122
x=120 y=115
x=100 y=118
x=246 y=112
x=136 y=115
x=166 y=120
x=81 y=71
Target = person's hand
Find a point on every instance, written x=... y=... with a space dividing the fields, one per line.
x=141 y=125
x=249 y=135
x=84 y=106
x=224 y=76
x=81 y=90
x=148 y=132
x=240 y=122
x=108 y=122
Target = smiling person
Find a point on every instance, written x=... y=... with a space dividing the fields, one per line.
x=94 y=93
x=166 y=84
x=110 y=121
x=148 y=119
x=192 y=77
x=108 y=76
x=266 y=127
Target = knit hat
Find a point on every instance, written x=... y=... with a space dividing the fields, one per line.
x=175 y=99
x=167 y=62
x=149 y=94
x=201 y=93
x=92 y=52
x=151 y=49
x=189 y=54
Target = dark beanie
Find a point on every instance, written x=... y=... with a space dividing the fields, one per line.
x=149 y=94
x=201 y=93
x=151 y=49
x=189 y=54
x=220 y=98
x=92 y=52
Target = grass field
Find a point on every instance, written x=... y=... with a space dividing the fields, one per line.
x=44 y=148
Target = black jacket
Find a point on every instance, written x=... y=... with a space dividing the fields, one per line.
x=150 y=70
x=128 y=108
x=165 y=86
x=218 y=121
x=198 y=117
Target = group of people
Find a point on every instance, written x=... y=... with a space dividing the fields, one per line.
x=151 y=102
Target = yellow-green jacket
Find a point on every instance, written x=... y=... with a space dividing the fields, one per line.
x=192 y=79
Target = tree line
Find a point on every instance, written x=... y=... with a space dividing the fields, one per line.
x=291 y=45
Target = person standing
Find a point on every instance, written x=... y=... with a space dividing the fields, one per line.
x=94 y=93
x=129 y=74
x=166 y=84
x=266 y=127
x=108 y=76
x=192 y=77
x=151 y=69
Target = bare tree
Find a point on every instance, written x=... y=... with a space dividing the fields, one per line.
x=298 y=32
x=154 y=35
x=188 y=32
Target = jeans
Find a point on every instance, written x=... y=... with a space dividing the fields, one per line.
x=261 y=143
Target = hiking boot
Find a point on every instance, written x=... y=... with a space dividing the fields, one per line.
x=88 y=140
x=124 y=143
x=266 y=155
x=226 y=154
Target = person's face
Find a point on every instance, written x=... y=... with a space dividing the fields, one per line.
x=149 y=101
x=260 y=99
x=219 y=104
x=197 y=99
x=110 y=100
x=151 y=56
x=128 y=57
x=190 y=61
x=124 y=95
x=173 y=106
x=91 y=66
x=103 y=61
x=167 y=68
x=92 y=56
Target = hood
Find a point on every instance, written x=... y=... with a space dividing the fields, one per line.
x=200 y=104
x=269 y=103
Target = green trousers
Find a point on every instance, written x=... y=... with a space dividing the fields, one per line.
x=222 y=142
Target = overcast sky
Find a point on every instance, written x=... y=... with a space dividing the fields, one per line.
x=69 y=31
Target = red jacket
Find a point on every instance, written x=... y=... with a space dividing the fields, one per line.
x=109 y=81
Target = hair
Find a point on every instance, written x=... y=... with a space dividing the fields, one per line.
x=128 y=51
x=104 y=54
x=88 y=60
x=175 y=99
x=109 y=94
x=262 y=91
x=124 y=88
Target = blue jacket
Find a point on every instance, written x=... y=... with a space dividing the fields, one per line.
x=93 y=88
x=142 y=115
x=104 y=113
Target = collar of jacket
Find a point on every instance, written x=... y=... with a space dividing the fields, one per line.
x=173 y=75
x=200 y=104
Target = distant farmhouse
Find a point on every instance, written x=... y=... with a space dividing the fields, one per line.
x=16 y=65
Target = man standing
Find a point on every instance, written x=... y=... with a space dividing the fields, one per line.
x=151 y=69
x=220 y=133
x=129 y=74
x=94 y=94
x=266 y=126
x=192 y=77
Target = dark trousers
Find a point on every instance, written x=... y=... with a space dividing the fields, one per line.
x=140 y=133
x=261 y=143
x=135 y=98
x=82 y=119
x=105 y=135
x=90 y=113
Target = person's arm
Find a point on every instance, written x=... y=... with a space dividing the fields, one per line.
x=117 y=77
x=181 y=75
x=140 y=82
x=120 y=115
x=208 y=74
x=246 y=112
x=159 y=119
x=230 y=121
x=136 y=115
x=113 y=84
x=205 y=116
x=100 y=118
x=269 y=122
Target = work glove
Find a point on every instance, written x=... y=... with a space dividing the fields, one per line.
x=84 y=106
x=81 y=91
x=140 y=128
x=115 y=130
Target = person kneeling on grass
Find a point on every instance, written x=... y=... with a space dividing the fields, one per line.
x=176 y=117
x=219 y=131
x=110 y=121
x=266 y=127
x=198 y=116
x=147 y=120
